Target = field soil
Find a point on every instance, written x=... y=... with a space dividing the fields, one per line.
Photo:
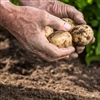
x=25 y=76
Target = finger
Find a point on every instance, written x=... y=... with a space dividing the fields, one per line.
x=79 y=20
x=57 y=23
x=80 y=49
x=76 y=15
x=74 y=55
x=49 y=58
x=56 y=52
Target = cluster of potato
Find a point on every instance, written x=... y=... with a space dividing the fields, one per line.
x=79 y=35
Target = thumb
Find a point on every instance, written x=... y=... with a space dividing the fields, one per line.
x=58 y=23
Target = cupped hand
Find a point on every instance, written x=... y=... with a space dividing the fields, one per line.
x=28 y=26
x=60 y=10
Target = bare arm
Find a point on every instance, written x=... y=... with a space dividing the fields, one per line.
x=4 y=12
x=7 y=11
x=27 y=24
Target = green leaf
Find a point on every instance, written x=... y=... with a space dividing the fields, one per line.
x=98 y=3
x=81 y=3
x=16 y=2
x=88 y=48
x=65 y=1
x=91 y=58
x=98 y=43
x=94 y=23
x=90 y=1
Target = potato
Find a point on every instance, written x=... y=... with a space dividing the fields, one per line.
x=48 y=30
x=61 y=39
x=82 y=35
x=70 y=21
x=79 y=35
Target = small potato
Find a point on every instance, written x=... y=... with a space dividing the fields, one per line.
x=48 y=31
x=61 y=39
x=82 y=35
x=70 y=21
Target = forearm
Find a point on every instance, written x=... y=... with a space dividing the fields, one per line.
x=6 y=13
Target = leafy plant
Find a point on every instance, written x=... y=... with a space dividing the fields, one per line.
x=91 y=12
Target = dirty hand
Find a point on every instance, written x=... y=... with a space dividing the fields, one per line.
x=60 y=10
x=27 y=24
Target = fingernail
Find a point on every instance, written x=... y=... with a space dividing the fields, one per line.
x=67 y=26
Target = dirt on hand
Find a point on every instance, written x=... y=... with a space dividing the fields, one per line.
x=25 y=76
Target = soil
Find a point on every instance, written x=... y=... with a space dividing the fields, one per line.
x=36 y=79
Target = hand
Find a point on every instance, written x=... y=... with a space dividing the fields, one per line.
x=28 y=26
x=56 y=8
x=61 y=10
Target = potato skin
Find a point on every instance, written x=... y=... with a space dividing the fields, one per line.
x=82 y=35
x=70 y=21
x=48 y=31
x=61 y=39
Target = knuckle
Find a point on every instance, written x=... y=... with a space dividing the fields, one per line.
x=46 y=18
x=46 y=15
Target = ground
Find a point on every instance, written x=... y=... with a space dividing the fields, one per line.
x=36 y=79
